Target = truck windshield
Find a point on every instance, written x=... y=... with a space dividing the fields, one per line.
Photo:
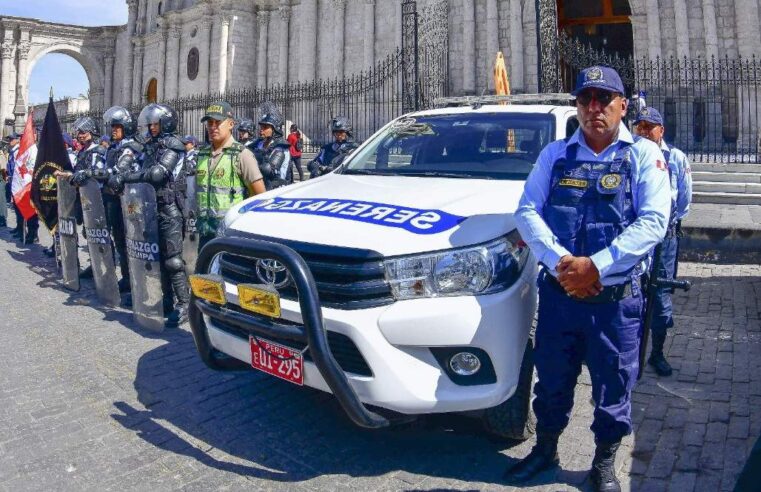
x=478 y=145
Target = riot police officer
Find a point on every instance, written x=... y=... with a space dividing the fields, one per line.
x=91 y=159
x=272 y=151
x=649 y=124
x=163 y=152
x=333 y=154
x=123 y=157
x=593 y=208
x=246 y=131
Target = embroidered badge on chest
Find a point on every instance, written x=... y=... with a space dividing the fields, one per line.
x=573 y=183
x=610 y=181
x=219 y=173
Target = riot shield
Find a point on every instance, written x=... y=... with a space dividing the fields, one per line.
x=141 y=230
x=100 y=244
x=190 y=243
x=67 y=230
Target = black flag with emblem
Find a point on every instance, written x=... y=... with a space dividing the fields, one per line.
x=51 y=157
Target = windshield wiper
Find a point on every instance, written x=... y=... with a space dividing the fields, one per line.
x=441 y=174
x=366 y=172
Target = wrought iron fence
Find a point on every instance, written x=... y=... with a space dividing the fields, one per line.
x=369 y=99
x=711 y=108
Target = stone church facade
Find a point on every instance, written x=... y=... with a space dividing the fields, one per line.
x=173 y=48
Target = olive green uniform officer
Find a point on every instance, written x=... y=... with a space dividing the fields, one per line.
x=226 y=172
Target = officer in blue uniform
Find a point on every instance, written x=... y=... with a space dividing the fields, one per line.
x=593 y=208
x=649 y=124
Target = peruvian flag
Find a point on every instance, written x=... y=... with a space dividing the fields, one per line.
x=21 y=186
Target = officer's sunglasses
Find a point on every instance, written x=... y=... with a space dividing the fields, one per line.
x=584 y=98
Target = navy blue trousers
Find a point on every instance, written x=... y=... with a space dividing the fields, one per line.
x=662 y=308
x=606 y=337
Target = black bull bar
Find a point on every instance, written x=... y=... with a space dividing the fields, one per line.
x=312 y=332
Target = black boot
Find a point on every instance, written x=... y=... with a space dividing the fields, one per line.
x=603 y=474
x=124 y=285
x=178 y=316
x=543 y=456
x=86 y=273
x=657 y=359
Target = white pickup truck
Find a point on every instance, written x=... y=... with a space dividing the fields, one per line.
x=397 y=282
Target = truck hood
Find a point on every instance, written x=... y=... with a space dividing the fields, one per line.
x=393 y=215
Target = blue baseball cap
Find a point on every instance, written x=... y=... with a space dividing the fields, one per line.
x=651 y=115
x=598 y=77
x=190 y=139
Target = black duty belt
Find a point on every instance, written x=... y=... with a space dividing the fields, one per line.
x=609 y=293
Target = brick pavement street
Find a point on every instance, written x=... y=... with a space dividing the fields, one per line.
x=88 y=401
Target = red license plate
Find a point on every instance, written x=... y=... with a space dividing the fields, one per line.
x=277 y=360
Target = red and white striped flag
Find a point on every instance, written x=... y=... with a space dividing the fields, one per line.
x=21 y=186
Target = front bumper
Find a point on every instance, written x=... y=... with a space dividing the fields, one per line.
x=395 y=341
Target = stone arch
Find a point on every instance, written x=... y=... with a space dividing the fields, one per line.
x=93 y=69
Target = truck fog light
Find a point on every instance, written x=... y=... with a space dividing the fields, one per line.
x=464 y=364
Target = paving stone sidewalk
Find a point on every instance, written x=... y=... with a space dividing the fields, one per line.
x=88 y=401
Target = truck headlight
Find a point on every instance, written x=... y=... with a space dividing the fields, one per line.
x=475 y=270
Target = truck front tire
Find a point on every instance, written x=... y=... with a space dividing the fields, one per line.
x=513 y=419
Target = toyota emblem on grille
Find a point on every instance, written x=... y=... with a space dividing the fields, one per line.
x=272 y=273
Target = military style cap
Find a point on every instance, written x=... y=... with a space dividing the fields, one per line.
x=598 y=77
x=651 y=115
x=190 y=139
x=219 y=111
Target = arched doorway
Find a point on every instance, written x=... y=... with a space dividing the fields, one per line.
x=602 y=28
x=591 y=31
x=152 y=91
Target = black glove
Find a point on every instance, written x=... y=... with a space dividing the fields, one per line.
x=100 y=175
x=115 y=183
x=80 y=177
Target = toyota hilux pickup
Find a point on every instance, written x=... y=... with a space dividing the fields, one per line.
x=398 y=282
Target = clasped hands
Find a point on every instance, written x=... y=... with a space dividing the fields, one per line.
x=579 y=277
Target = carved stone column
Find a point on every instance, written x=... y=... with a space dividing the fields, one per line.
x=653 y=29
x=204 y=62
x=285 y=21
x=492 y=38
x=137 y=81
x=339 y=23
x=162 y=64
x=6 y=84
x=262 y=23
x=682 y=29
x=746 y=19
x=108 y=78
x=308 y=61
x=128 y=59
x=172 y=73
x=516 y=45
x=224 y=35
x=709 y=25
x=21 y=75
x=468 y=47
x=369 y=42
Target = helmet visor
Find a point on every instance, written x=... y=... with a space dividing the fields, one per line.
x=116 y=115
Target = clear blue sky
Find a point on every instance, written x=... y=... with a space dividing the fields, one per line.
x=64 y=73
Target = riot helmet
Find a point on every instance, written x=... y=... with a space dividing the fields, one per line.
x=160 y=114
x=274 y=121
x=341 y=123
x=246 y=125
x=118 y=115
x=86 y=124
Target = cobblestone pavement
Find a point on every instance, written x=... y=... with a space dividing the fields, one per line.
x=88 y=401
